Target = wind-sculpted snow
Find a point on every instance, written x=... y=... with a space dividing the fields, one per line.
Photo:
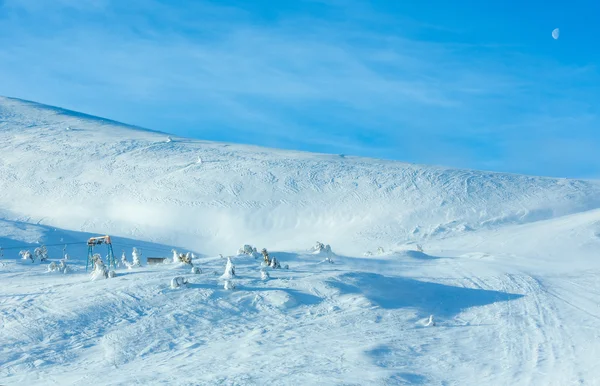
x=387 y=273
x=79 y=172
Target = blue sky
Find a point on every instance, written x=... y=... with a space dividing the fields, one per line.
x=471 y=84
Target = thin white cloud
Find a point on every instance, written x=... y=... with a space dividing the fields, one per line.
x=207 y=66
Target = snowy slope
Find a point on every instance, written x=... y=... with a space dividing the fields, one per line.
x=510 y=269
x=84 y=173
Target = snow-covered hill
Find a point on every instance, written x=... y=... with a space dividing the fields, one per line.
x=509 y=268
x=79 y=172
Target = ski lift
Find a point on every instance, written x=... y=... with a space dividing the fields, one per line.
x=94 y=241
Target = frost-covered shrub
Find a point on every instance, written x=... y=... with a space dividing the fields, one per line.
x=321 y=248
x=41 y=253
x=178 y=281
x=264 y=275
x=26 y=255
x=380 y=251
x=112 y=274
x=247 y=250
x=196 y=270
x=181 y=258
x=100 y=271
x=419 y=248
x=63 y=267
x=52 y=267
x=229 y=285
x=229 y=270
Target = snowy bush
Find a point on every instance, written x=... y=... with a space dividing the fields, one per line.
x=100 y=271
x=264 y=275
x=380 y=251
x=180 y=258
x=178 y=281
x=247 y=250
x=26 y=255
x=420 y=248
x=112 y=274
x=60 y=268
x=63 y=267
x=320 y=248
x=229 y=285
x=41 y=253
x=229 y=270
x=52 y=267
x=196 y=270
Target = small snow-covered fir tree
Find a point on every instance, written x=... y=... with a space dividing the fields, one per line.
x=136 y=257
x=175 y=256
x=274 y=263
x=229 y=270
x=41 y=253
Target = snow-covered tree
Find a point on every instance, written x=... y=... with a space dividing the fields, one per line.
x=266 y=258
x=264 y=275
x=229 y=270
x=26 y=255
x=100 y=270
x=321 y=248
x=175 y=256
x=136 y=257
x=196 y=270
x=41 y=253
x=380 y=251
x=63 y=267
x=274 y=263
x=52 y=267
x=247 y=250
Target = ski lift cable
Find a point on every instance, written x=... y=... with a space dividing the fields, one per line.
x=46 y=245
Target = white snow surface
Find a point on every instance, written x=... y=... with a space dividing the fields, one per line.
x=509 y=272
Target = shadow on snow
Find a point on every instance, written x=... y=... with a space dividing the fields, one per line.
x=429 y=298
